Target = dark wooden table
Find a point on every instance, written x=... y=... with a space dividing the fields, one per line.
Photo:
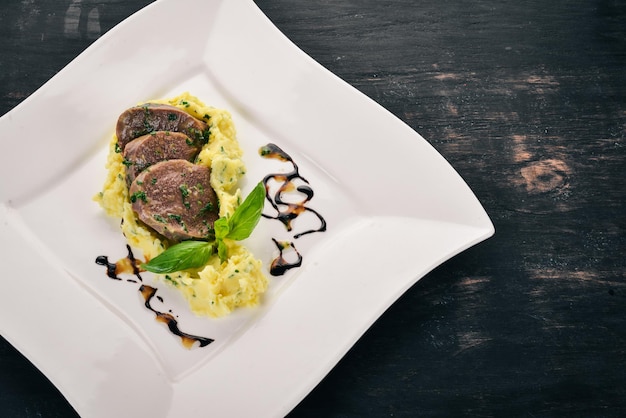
x=527 y=100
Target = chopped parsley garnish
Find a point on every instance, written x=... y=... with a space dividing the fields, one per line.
x=175 y=217
x=184 y=191
x=207 y=208
x=141 y=195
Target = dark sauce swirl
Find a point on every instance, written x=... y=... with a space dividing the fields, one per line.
x=287 y=211
x=168 y=319
x=130 y=265
x=280 y=265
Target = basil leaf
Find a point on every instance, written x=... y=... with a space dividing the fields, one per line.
x=182 y=256
x=221 y=227
x=247 y=215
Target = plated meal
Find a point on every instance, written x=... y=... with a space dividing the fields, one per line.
x=173 y=172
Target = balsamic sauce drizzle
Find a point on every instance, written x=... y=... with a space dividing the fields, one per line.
x=286 y=211
x=188 y=340
x=130 y=265
x=125 y=265
x=280 y=265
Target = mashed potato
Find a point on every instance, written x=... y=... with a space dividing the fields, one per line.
x=218 y=288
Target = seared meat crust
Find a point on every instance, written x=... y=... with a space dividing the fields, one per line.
x=150 y=117
x=175 y=198
x=142 y=152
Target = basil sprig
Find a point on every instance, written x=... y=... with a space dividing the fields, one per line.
x=182 y=256
x=195 y=254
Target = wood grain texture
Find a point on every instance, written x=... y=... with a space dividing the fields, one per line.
x=527 y=100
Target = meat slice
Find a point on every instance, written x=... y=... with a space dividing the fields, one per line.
x=150 y=117
x=174 y=198
x=142 y=152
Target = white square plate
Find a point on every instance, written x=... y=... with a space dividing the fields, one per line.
x=395 y=210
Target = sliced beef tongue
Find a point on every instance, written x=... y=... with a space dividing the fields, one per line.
x=175 y=198
x=150 y=117
x=142 y=152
